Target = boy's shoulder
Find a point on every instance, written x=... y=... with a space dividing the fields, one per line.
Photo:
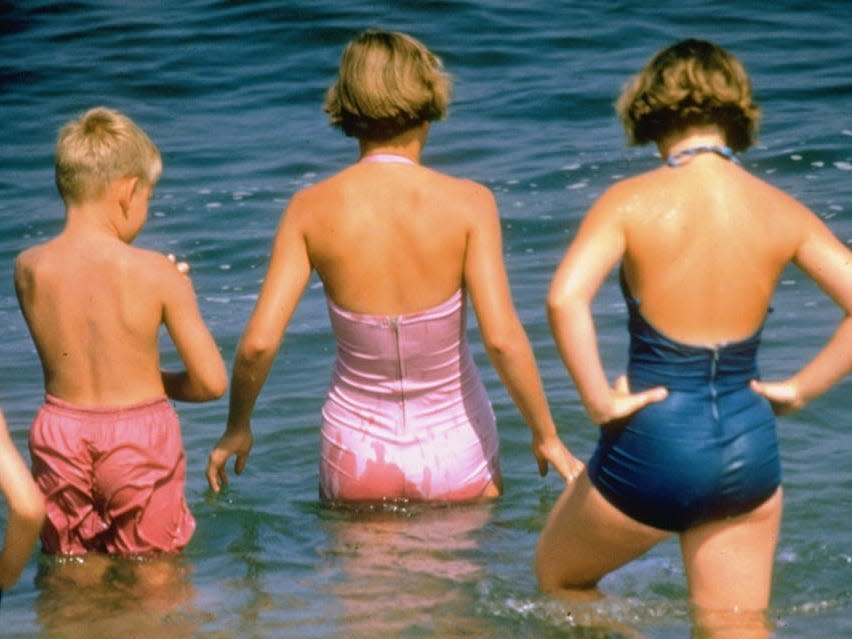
x=29 y=258
x=151 y=265
x=149 y=256
x=55 y=256
x=34 y=251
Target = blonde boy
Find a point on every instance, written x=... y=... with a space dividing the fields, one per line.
x=106 y=445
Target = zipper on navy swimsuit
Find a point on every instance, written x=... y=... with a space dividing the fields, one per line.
x=714 y=371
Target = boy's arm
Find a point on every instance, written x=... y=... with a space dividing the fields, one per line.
x=205 y=376
x=26 y=510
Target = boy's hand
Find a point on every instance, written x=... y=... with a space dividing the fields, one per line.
x=182 y=267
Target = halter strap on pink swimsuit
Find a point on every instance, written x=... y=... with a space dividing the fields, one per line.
x=407 y=415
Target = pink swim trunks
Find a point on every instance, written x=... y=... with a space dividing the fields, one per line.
x=113 y=478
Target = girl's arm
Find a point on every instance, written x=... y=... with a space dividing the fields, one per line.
x=286 y=278
x=504 y=337
x=599 y=246
x=26 y=510
x=828 y=263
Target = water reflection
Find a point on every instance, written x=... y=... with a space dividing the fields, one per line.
x=406 y=570
x=730 y=624
x=98 y=596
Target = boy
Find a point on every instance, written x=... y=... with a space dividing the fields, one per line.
x=106 y=445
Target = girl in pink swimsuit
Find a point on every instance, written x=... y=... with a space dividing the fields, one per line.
x=407 y=414
x=399 y=249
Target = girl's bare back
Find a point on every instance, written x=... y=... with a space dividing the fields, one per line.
x=390 y=239
x=703 y=261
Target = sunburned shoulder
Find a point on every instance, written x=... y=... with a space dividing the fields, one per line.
x=31 y=260
x=316 y=195
x=342 y=186
x=148 y=268
x=160 y=277
x=774 y=197
x=461 y=190
x=641 y=180
x=154 y=262
x=647 y=190
x=424 y=174
x=476 y=189
x=629 y=191
x=329 y=184
x=36 y=252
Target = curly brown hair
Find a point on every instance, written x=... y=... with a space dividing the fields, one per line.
x=691 y=83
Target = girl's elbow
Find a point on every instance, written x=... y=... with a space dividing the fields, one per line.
x=497 y=348
x=504 y=343
x=555 y=305
x=562 y=304
x=255 y=348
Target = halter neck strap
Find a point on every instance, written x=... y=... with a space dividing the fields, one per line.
x=387 y=158
x=682 y=157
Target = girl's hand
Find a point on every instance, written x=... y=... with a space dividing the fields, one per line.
x=623 y=404
x=552 y=452
x=236 y=442
x=783 y=396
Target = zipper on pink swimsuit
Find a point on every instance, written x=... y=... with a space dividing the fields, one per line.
x=394 y=323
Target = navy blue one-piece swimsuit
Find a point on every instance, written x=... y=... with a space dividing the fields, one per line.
x=706 y=452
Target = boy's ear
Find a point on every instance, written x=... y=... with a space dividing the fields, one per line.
x=127 y=187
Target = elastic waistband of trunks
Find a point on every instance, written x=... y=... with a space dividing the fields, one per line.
x=68 y=407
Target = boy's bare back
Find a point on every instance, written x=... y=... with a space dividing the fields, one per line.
x=94 y=304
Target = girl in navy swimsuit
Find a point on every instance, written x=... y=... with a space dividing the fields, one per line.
x=707 y=451
x=687 y=438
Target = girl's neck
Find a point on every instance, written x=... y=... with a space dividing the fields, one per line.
x=699 y=137
x=407 y=145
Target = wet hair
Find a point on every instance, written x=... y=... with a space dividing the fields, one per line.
x=100 y=146
x=387 y=83
x=691 y=83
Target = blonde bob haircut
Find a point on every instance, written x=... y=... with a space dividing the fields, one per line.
x=387 y=83
x=691 y=83
x=100 y=146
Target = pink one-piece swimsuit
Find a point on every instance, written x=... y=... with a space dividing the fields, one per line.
x=407 y=415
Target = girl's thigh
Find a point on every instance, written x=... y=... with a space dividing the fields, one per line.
x=729 y=562
x=586 y=537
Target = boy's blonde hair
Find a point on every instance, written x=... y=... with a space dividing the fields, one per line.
x=387 y=83
x=100 y=146
x=691 y=83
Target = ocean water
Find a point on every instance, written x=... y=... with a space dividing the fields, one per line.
x=231 y=92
